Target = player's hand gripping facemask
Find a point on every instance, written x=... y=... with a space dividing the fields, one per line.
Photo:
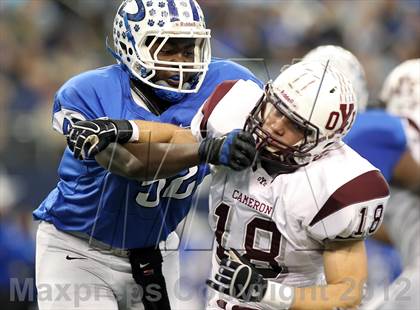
x=236 y=150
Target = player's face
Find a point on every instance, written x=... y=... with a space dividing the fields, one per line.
x=175 y=50
x=280 y=128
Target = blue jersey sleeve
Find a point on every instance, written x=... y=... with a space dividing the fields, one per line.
x=71 y=104
x=380 y=138
x=87 y=96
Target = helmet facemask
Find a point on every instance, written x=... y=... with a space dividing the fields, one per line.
x=284 y=156
x=191 y=74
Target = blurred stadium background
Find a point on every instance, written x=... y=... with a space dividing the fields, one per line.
x=45 y=42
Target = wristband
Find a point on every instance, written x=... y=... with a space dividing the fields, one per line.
x=124 y=130
x=209 y=149
x=278 y=296
x=136 y=133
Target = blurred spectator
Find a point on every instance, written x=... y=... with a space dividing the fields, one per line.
x=17 y=250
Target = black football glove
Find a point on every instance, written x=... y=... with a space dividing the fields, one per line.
x=88 y=138
x=236 y=150
x=239 y=279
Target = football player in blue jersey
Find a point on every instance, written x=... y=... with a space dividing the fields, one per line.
x=390 y=138
x=93 y=217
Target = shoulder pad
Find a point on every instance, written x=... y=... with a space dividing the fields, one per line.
x=355 y=210
x=226 y=109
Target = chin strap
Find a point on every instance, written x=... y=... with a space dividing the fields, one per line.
x=153 y=107
x=275 y=168
x=114 y=53
x=169 y=96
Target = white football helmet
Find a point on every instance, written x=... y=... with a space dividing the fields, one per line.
x=351 y=67
x=139 y=24
x=401 y=91
x=316 y=98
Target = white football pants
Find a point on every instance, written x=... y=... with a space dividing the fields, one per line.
x=71 y=274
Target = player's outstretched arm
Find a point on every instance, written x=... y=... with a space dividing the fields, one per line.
x=345 y=269
x=162 y=133
x=89 y=137
x=150 y=161
x=153 y=160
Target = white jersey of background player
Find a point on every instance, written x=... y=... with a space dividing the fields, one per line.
x=401 y=94
x=380 y=137
x=307 y=193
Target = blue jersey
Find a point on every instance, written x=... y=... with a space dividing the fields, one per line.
x=380 y=138
x=120 y=212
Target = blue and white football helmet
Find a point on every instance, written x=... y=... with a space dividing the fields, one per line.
x=139 y=24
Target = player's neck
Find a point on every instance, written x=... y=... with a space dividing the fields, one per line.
x=274 y=169
x=155 y=104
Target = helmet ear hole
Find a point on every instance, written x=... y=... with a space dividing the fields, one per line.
x=124 y=47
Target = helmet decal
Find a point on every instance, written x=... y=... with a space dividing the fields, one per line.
x=136 y=17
